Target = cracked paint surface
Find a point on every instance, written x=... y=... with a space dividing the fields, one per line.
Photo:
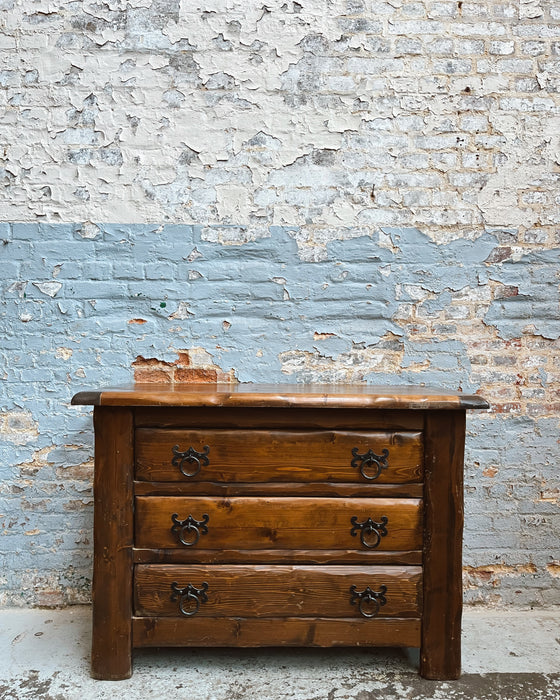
x=321 y=190
x=330 y=114
x=182 y=303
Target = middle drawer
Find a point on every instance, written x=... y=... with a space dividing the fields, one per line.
x=251 y=523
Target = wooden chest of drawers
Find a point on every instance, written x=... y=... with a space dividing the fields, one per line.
x=245 y=515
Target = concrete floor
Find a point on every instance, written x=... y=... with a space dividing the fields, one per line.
x=506 y=656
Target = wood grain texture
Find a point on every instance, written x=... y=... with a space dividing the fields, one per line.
x=189 y=555
x=279 y=491
x=113 y=540
x=282 y=395
x=273 y=632
x=275 y=456
x=440 y=656
x=303 y=418
x=318 y=489
x=277 y=591
x=279 y=523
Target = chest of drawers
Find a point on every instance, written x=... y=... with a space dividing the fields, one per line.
x=246 y=515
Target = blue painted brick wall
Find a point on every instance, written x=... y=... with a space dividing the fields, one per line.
x=82 y=312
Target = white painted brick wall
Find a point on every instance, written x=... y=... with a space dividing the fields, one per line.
x=374 y=193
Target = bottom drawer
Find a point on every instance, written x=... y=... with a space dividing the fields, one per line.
x=278 y=591
x=275 y=631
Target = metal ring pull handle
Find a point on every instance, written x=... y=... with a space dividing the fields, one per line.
x=189 y=530
x=190 y=456
x=370 y=531
x=370 y=464
x=369 y=601
x=189 y=597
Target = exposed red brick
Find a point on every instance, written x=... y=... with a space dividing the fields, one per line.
x=77 y=504
x=493 y=573
x=506 y=291
x=541 y=409
x=151 y=370
x=499 y=254
x=480 y=573
x=513 y=343
x=77 y=472
x=512 y=407
x=183 y=360
x=501 y=392
x=150 y=362
x=196 y=375
x=153 y=376
x=138 y=320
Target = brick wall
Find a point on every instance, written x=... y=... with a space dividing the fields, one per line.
x=280 y=191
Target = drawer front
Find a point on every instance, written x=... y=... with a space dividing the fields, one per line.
x=249 y=523
x=274 y=632
x=277 y=591
x=288 y=456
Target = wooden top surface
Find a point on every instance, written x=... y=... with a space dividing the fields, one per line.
x=281 y=396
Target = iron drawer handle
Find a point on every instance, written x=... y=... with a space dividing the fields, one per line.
x=190 y=456
x=370 y=601
x=370 y=461
x=188 y=597
x=189 y=530
x=367 y=528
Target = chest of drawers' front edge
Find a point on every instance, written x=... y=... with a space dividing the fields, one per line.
x=435 y=626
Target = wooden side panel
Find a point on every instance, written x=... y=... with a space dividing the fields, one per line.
x=273 y=632
x=268 y=455
x=440 y=656
x=279 y=523
x=276 y=591
x=113 y=540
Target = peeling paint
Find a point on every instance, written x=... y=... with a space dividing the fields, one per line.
x=390 y=306
x=534 y=306
x=193 y=366
x=318 y=190
x=51 y=289
x=18 y=427
x=63 y=353
x=321 y=114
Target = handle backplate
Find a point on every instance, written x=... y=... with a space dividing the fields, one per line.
x=370 y=531
x=369 y=602
x=370 y=464
x=190 y=456
x=189 y=597
x=189 y=530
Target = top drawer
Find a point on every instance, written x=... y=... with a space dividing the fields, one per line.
x=274 y=455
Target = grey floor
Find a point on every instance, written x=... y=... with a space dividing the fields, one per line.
x=506 y=656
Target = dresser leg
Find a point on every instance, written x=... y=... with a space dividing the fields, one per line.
x=111 y=657
x=440 y=652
